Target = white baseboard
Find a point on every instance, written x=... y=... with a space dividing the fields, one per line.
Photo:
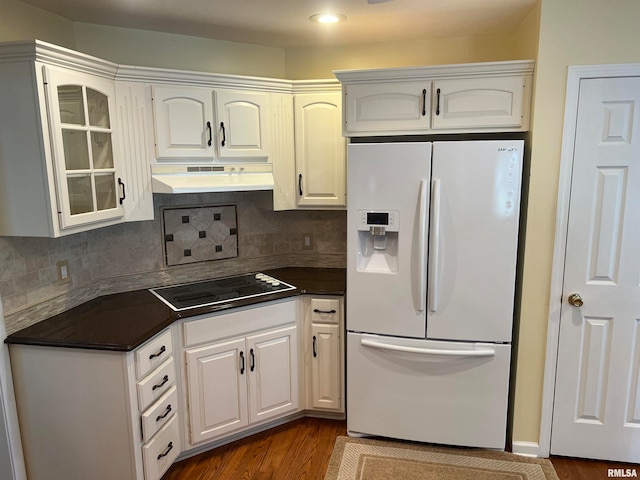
x=526 y=449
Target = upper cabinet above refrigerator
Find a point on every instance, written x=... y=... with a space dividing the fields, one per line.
x=465 y=98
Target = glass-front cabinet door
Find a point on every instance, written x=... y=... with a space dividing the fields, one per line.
x=81 y=112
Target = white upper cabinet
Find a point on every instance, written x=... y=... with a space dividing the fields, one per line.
x=309 y=151
x=464 y=98
x=242 y=124
x=379 y=107
x=60 y=168
x=183 y=122
x=205 y=125
x=479 y=103
x=81 y=120
x=320 y=150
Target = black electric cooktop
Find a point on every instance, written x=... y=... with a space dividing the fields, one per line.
x=219 y=290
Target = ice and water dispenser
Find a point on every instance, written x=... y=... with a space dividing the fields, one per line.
x=378 y=241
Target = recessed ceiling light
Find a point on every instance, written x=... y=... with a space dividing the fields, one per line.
x=328 y=17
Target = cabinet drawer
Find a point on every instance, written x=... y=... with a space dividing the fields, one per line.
x=153 y=353
x=159 y=413
x=161 y=452
x=325 y=310
x=237 y=323
x=155 y=384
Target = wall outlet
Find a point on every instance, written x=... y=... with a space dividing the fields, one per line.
x=63 y=272
x=307 y=241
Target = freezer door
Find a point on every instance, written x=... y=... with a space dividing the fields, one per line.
x=387 y=276
x=451 y=393
x=473 y=239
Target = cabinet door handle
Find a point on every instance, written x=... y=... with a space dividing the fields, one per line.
x=253 y=360
x=164 y=415
x=316 y=310
x=165 y=379
x=210 y=141
x=124 y=193
x=300 y=184
x=424 y=102
x=224 y=135
x=438 y=102
x=160 y=352
x=241 y=363
x=315 y=352
x=166 y=452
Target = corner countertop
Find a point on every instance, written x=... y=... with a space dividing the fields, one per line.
x=124 y=321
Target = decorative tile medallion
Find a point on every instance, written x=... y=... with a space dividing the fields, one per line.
x=199 y=234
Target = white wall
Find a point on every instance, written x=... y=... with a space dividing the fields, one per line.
x=167 y=50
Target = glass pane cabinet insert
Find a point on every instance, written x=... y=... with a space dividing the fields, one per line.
x=81 y=111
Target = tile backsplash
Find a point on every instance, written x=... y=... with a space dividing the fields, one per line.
x=199 y=234
x=130 y=256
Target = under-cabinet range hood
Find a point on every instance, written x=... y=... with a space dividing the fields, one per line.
x=211 y=178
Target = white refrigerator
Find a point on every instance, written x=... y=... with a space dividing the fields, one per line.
x=431 y=263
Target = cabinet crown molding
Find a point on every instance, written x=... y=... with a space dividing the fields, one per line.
x=461 y=70
x=39 y=51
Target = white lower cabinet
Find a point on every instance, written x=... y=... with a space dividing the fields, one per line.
x=217 y=389
x=325 y=377
x=98 y=414
x=246 y=372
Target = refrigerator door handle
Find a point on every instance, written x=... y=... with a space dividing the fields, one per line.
x=434 y=245
x=485 y=352
x=422 y=249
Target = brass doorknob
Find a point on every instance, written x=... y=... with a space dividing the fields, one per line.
x=575 y=299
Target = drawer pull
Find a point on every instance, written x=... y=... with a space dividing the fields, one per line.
x=316 y=310
x=164 y=415
x=165 y=379
x=166 y=452
x=160 y=352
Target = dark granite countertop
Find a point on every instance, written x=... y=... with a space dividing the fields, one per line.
x=124 y=321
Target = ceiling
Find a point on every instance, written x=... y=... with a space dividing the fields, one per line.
x=286 y=24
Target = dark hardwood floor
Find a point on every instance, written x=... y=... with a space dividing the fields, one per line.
x=301 y=450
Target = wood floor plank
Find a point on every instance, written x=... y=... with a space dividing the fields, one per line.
x=301 y=450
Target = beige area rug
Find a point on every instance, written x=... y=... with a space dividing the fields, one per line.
x=367 y=459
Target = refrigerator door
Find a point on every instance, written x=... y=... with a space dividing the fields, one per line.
x=473 y=240
x=388 y=186
x=453 y=393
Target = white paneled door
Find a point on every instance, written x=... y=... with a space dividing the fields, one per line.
x=597 y=399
